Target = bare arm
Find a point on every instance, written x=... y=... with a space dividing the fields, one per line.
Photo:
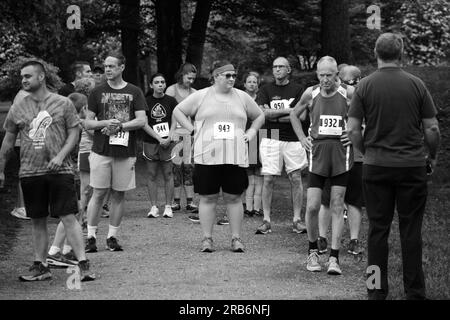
x=256 y=125
x=183 y=119
x=354 y=132
x=274 y=115
x=92 y=124
x=298 y=112
x=72 y=138
x=432 y=138
x=138 y=122
x=5 y=152
x=148 y=130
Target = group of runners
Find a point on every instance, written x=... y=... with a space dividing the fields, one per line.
x=223 y=141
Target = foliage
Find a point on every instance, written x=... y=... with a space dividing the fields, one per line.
x=10 y=79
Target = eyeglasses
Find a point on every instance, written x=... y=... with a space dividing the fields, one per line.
x=352 y=82
x=230 y=75
x=278 y=67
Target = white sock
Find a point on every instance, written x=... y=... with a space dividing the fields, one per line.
x=53 y=250
x=92 y=230
x=66 y=249
x=112 y=232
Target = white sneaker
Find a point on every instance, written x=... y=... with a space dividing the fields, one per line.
x=333 y=266
x=153 y=213
x=20 y=213
x=312 y=263
x=168 y=212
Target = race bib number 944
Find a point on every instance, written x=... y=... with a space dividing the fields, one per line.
x=162 y=129
x=224 y=130
x=120 y=138
x=330 y=125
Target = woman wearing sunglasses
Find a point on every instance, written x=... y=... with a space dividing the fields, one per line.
x=220 y=113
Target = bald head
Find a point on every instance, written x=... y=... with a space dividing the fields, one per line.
x=328 y=63
x=349 y=72
x=281 y=70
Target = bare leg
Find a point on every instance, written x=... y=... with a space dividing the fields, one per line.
x=74 y=235
x=337 y=208
x=354 y=220
x=295 y=177
x=324 y=220
x=257 y=198
x=267 y=193
x=235 y=213
x=117 y=205
x=152 y=167
x=40 y=239
x=249 y=193
x=207 y=213
x=313 y=197
x=168 y=181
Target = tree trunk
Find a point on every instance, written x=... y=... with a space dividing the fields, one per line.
x=335 y=35
x=129 y=25
x=194 y=53
x=169 y=36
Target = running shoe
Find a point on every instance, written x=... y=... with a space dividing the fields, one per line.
x=257 y=213
x=298 y=226
x=322 y=245
x=333 y=266
x=71 y=256
x=85 y=273
x=223 y=221
x=38 y=272
x=20 y=213
x=192 y=208
x=237 y=245
x=353 y=247
x=312 y=263
x=58 y=260
x=264 y=228
x=248 y=213
x=194 y=218
x=113 y=245
x=153 y=213
x=207 y=245
x=176 y=207
x=105 y=212
x=168 y=212
x=91 y=245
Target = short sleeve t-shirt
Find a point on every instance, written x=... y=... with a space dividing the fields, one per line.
x=43 y=127
x=393 y=103
x=280 y=97
x=109 y=103
x=159 y=116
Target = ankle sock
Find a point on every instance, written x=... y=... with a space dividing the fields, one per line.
x=112 y=232
x=92 y=230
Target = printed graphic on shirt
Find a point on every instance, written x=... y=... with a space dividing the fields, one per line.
x=117 y=105
x=158 y=112
x=278 y=104
x=39 y=127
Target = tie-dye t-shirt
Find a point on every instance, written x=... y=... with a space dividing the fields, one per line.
x=43 y=129
x=109 y=103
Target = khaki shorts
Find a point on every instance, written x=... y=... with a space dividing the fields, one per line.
x=115 y=173
x=274 y=153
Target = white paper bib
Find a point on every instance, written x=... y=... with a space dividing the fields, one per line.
x=224 y=130
x=330 y=125
x=120 y=138
x=162 y=129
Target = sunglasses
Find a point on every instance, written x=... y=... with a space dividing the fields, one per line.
x=230 y=75
x=352 y=82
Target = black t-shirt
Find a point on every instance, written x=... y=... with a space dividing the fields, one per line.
x=159 y=116
x=108 y=103
x=279 y=97
x=393 y=104
x=67 y=89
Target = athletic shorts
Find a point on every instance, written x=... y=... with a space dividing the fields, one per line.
x=274 y=153
x=353 y=193
x=109 y=172
x=317 y=181
x=83 y=162
x=155 y=152
x=52 y=194
x=209 y=179
x=330 y=158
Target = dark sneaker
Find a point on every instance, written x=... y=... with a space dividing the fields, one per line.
x=194 y=218
x=322 y=245
x=38 y=272
x=298 y=226
x=71 y=256
x=248 y=213
x=259 y=212
x=58 y=260
x=105 y=212
x=237 y=245
x=223 y=221
x=255 y=213
x=85 y=273
x=192 y=208
x=264 y=228
x=207 y=245
x=353 y=247
x=176 y=207
x=91 y=245
x=113 y=245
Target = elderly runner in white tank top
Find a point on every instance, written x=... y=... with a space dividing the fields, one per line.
x=220 y=148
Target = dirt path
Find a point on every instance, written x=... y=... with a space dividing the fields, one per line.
x=161 y=260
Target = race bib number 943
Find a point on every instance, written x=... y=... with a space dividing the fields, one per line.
x=120 y=138
x=330 y=125
x=223 y=130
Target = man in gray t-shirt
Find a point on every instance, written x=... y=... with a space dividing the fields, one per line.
x=400 y=116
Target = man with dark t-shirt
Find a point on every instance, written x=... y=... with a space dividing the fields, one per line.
x=116 y=110
x=400 y=117
x=281 y=145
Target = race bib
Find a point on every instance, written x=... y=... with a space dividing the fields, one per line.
x=224 y=130
x=120 y=138
x=330 y=125
x=280 y=104
x=162 y=129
